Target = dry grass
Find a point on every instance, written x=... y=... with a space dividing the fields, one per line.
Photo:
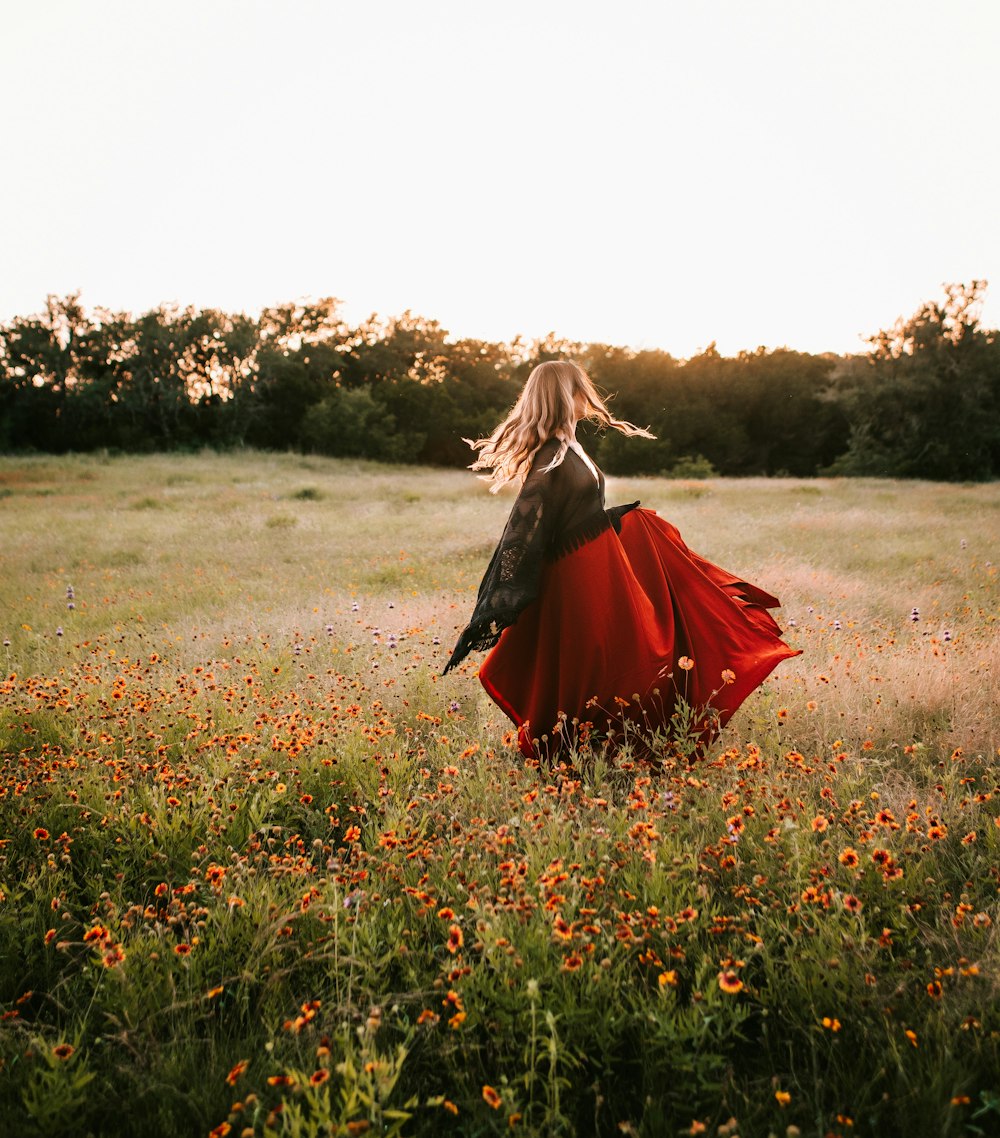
x=211 y=548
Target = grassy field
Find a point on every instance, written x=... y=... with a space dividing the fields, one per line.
x=264 y=872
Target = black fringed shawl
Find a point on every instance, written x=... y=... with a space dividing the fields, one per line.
x=555 y=512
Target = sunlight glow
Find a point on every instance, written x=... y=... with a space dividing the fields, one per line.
x=675 y=174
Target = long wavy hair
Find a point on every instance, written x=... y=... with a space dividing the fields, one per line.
x=555 y=396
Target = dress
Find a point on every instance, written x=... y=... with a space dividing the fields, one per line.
x=589 y=614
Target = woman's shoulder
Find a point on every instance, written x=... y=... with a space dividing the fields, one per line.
x=545 y=453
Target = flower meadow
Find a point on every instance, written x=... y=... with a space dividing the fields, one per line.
x=264 y=872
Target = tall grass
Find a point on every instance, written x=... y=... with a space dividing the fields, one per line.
x=263 y=871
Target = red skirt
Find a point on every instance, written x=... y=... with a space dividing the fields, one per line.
x=608 y=635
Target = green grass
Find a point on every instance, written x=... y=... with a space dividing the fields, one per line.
x=245 y=819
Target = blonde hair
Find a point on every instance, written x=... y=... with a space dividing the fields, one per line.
x=554 y=397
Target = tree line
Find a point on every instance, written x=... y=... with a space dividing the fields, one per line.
x=923 y=401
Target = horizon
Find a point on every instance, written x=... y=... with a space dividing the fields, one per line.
x=449 y=337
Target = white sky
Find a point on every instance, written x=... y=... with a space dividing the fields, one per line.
x=658 y=174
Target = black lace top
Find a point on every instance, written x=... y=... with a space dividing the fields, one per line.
x=555 y=512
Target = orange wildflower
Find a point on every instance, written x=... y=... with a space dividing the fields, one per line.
x=63 y=1050
x=113 y=956
x=729 y=982
x=491 y=1098
x=562 y=928
x=236 y=1071
x=455 y=939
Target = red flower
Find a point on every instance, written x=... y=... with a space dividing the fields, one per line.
x=729 y=982
x=114 y=955
x=237 y=1070
x=491 y=1098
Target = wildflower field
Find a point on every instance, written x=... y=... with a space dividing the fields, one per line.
x=264 y=872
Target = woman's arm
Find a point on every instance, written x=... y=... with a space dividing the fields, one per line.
x=510 y=582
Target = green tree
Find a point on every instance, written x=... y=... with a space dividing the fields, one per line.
x=40 y=356
x=925 y=402
x=352 y=423
x=790 y=427
x=303 y=354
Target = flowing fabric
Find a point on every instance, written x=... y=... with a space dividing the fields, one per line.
x=600 y=616
x=613 y=621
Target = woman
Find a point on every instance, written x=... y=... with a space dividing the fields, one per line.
x=596 y=615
